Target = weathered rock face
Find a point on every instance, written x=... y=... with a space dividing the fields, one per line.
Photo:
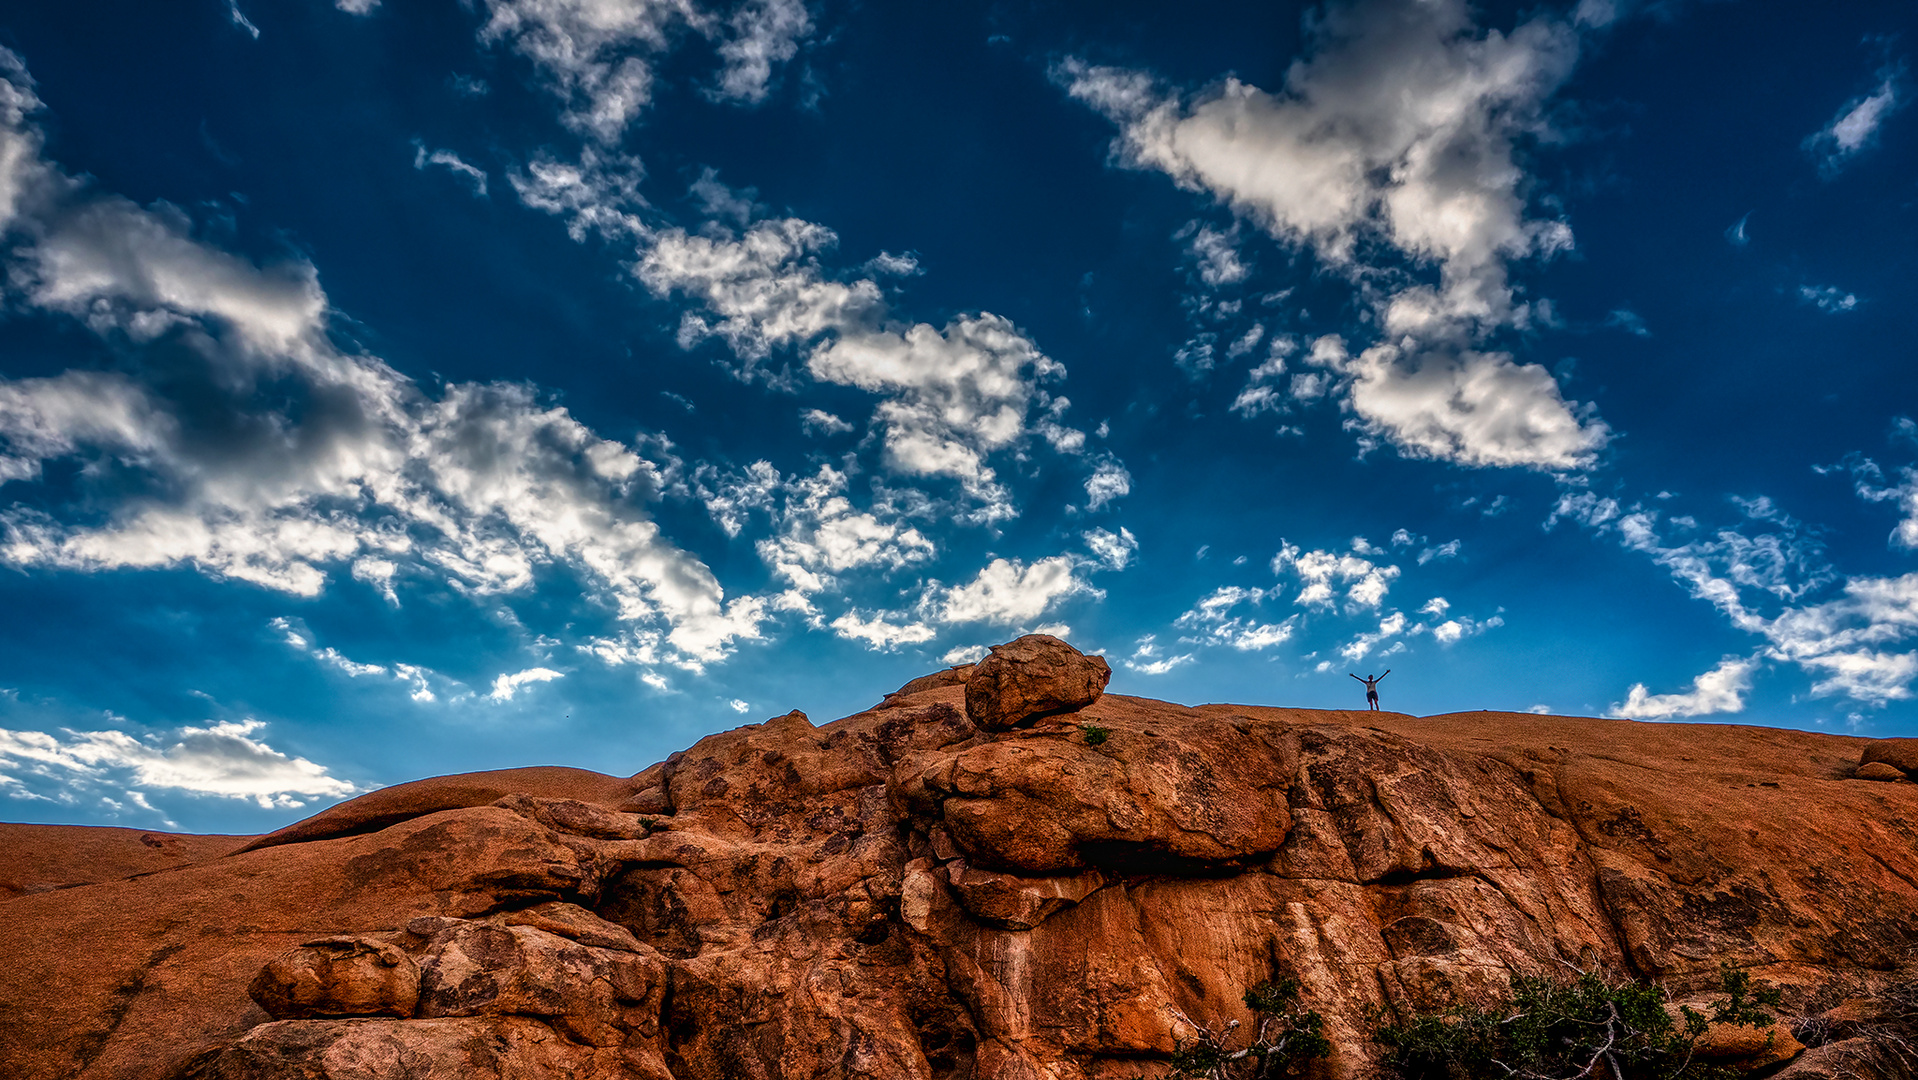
x=1037 y=675
x=900 y=894
x=339 y=976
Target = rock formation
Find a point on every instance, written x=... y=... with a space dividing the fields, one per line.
x=910 y=894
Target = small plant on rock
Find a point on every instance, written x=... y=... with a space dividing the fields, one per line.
x=1570 y=1029
x=1283 y=1034
x=1095 y=735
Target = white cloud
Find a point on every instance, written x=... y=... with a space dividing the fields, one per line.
x=1400 y=128
x=595 y=54
x=421 y=691
x=1215 y=254
x=821 y=535
x=820 y=422
x=1115 y=550
x=1852 y=644
x=950 y=397
x=413 y=676
x=353 y=668
x=221 y=759
x=1439 y=552
x=1869 y=485
x=1009 y=592
x=1856 y=124
x=508 y=684
x=356 y=7
x=1149 y=658
x=1212 y=620
x=295 y=456
x=1319 y=573
x=764 y=33
x=880 y=632
x=599 y=193
x=1720 y=690
x=965 y=654
x=1828 y=298
x=1109 y=482
x=471 y=175
x=739 y=706
x=240 y=20
x=1453 y=630
x=1361 y=646
x=1466 y=406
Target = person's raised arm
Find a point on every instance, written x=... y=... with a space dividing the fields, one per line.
x=1388 y=671
x=1356 y=677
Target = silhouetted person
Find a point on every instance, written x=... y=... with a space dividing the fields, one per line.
x=1372 y=689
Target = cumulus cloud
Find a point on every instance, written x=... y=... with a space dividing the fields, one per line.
x=1463 y=405
x=1720 y=690
x=1009 y=592
x=221 y=759
x=509 y=683
x=821 y=535
x=1399 y=133
x=1115 y=550
x=1212 y=621
x=1109 y=482
x=1321 y=573
x=879 y=631
x=270 y=455
x=764 y=33
x=1855 y=127
x=950 y=398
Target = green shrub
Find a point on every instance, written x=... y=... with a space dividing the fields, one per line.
x=1095 y=734
x=1566 y=1029
x=1282 y=1033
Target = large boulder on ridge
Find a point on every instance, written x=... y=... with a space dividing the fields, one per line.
x=1037 y=675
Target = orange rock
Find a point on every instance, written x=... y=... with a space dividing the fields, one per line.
x=1879 y=770
x=899 y=894
x=1901 y=754
x=336 y=977
x=1037 y=675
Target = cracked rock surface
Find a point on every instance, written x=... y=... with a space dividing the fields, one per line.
x=901 y=894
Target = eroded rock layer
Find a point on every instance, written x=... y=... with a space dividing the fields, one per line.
x=899 y=894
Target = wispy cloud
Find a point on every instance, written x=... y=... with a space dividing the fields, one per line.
x=509 y=684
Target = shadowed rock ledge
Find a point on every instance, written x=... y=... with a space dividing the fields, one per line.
x=908 y=893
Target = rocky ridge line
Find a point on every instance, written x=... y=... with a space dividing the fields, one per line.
x=910 y=892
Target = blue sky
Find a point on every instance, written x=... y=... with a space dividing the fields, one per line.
x=391 y=390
